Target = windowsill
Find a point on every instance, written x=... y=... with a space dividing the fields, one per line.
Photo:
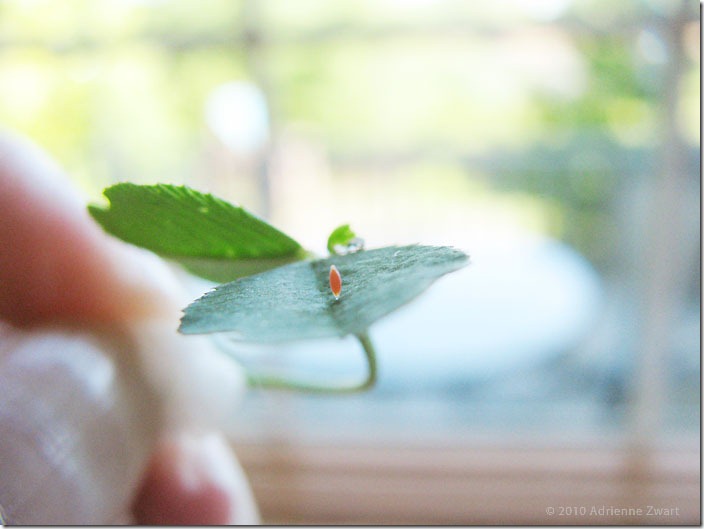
x=485 y=483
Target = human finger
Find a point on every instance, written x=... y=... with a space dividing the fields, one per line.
x=194 y=480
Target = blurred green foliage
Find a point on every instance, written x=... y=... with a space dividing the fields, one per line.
x=551 y=107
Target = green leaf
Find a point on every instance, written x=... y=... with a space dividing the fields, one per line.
x=209 y=236
x=295 y=302
x=340 y=236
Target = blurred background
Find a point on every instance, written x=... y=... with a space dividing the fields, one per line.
x=557 y=142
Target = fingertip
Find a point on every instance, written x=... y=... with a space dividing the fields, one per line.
x=193 y=481
x=56 y=263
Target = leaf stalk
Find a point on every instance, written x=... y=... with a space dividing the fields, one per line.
x=279 y=383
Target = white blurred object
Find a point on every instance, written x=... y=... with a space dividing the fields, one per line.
x=510 y=308
x=238 y=115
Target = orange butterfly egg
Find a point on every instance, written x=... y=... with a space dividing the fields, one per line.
x=335 y=281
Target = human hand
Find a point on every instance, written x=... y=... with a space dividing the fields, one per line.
x=107 y=415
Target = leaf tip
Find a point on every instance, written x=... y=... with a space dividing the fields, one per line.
x=340 y=236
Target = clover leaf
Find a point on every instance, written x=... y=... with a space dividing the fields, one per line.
x=273 y=290
x=209 y=236
x=294 y=302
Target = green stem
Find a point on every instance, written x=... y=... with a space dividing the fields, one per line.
x=273 y=382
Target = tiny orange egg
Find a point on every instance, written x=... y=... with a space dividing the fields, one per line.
x=335 y=281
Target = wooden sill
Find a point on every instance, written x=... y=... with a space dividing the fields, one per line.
x=487 y=484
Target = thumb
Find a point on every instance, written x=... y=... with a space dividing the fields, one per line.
x=58 y=266
x=91 y=369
